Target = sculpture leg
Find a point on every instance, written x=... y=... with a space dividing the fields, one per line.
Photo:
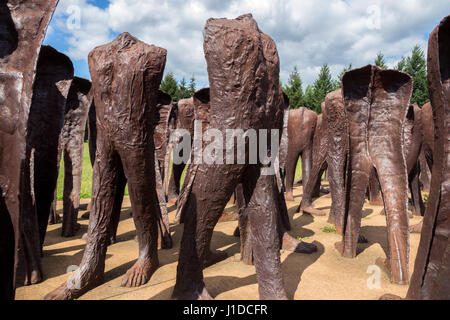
x=392 y=177
x=175 y=181
x=263 y=211
x=117 y=208
x=291 y=165
x=416 y=195
x=318 y=167
x=73 y=157
x=104 y=191
x=336 y=177
x=357 y=185
x=209 y=195
x=139 y=168
x=375 y=197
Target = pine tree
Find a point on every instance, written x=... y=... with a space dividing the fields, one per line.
x=308 y=98
x=401 y=65
x=192 y=86
x=322 y=86
x=416 y=66
x=183 y=91
x=338 y=83
x=169 y=85
x=380 y=61
x=294 y=89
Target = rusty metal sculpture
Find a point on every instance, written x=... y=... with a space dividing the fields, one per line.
x=19 y=52
x=413 y=138
x=431 y=277
x=319 y=165
x=301 y=128
x=244 y=95
x=54 y=75
x=124 y=146
x=181 y=117
x=376 y=140
x=71 y=149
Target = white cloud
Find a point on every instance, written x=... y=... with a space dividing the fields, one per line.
x=307 y=33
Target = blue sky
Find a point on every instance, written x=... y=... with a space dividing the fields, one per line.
x=308 y=33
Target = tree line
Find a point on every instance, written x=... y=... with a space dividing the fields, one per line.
x=178 y=89
x=312 y=97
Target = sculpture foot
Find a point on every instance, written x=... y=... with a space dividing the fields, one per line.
x=384 y=265
x=76 y=289
x=291 y=244
x=214 y=257
x=325 y=191
x=416 y=228
x=313 y=211
x=54 y=219
x=72 y=231
x=34 y=278
x=140 y=273
x=196 y=295
x=340 y=248
x=289 y=196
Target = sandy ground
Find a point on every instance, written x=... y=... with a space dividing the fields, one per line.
x=322 y=275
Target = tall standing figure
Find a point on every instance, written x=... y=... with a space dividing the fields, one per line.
x=126 y=75
x=431 y=276
x=376 y=102
x=19 y=50
x=245 y=93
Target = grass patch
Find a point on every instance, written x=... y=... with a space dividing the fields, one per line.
x=328 y=229
x=303 y=238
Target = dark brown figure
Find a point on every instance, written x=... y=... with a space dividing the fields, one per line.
x=301 y=128
x=181 y=117
x=413 y=138
x=54 y=75
x=126 y=75
x=319 y=165
x=245 y=95
x=431 y=276
x=376 y=102
x=71 y=148
x=19 y=50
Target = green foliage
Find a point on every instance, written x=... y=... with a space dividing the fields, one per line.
x=322 y=86
x=380 y=61
x=294 y=89
x=328 y=229
x=169 y=85
x=176 y=90
x=192 y=86
x=401 y=65
x=416 y=66
x=338 y=82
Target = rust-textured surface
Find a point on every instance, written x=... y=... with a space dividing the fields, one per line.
x=430 y=279
x=256 y=103
x=19 y=52
x=125 y=121
x=181 y=117
x=71 y=149
x=54 y=75
x=301 y=129
x=337 y=155
x=319 y=165
x=376 y=140
x=413 y=140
